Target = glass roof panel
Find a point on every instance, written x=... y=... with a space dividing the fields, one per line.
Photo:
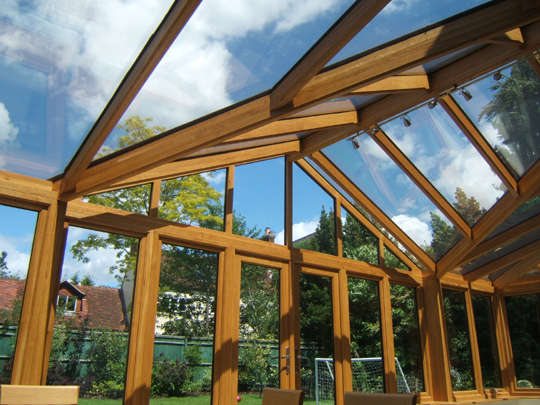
x=373 y=172
x=507 y=113
x=341 y=104
x=224 y=56
x=443 y=61
x=525 y=211
x=402 y=17
x=436 y=145
x=60 y=63
x=501 y=251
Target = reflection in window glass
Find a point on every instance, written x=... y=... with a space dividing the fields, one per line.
x=436 y=145
x=260 y=205
x=316 y=338
x=366 y=343
x=90 y=336
x=313 y=215
x=507 y=113
x=401 y=18
x=374 y=172
x=133 y=199
x=259 y=329
x=459 y=345
x=16 y=237
x=524 y=212
x=487 y=342
x=391 y=260
x=195 y=200
x=184 y=340
x=359 y=243
x=409 y=368
x=524 y=324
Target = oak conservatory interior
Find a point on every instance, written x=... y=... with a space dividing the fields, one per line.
x=203 y=198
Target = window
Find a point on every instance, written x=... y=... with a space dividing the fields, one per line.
x=66 y=303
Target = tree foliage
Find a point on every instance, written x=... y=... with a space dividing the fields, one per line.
x=3 y=266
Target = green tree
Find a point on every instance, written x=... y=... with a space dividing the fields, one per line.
x=3 y=266
x=324 y=238
x=87 y=280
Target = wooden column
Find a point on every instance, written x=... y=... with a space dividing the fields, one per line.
x=143 y=321
x=504 y=346
x=345 y=330
x=39 y=305
x=433 y=328
x=387 y=332
x=229 y=195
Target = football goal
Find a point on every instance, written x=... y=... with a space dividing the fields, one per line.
x=367 y=373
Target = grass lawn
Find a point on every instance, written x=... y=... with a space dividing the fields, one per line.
x=247 y=399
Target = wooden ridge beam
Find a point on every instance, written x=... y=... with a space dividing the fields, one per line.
x=513 y=37
x=503 y=238
x=469 y=30
x=207 y=163
x=157 y=46
x=321 y=139
x=396 y=84
x=420 y=180
x=529 y=186
x=321 y=53
x=518 y=254
x=298 y=125
x=256 y=113
x=479 y=142
x=516 y=271
x=335 y=174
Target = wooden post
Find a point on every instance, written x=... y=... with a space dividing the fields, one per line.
x=387 y=334
x=506 y=358
x=143 y=321
x=434 y=330
x=39 y=305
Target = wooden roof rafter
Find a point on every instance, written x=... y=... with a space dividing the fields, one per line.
x=516 y=271
x=360 y=198
x=155 y=49
x=256 y=113
x=396 y=84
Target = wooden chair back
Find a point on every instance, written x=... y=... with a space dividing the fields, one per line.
x=39 y=395
x=366 y=398
x=274 y=396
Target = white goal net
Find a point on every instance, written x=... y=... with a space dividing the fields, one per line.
x=368 y=375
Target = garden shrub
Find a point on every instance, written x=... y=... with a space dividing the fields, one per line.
x=168 y=377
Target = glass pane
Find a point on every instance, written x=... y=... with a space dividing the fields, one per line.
x=366 y=343
x=60 y=63
x=409 y=367
x=195 y=200
x=459 y=345
x=373 y=172
x=501 y=251
x=524 y=324
x=16 y=237
x=313 y=215
x=259 y=206
x=316 y=339
x=391 y=260
x=89 y=346
x=224 y=56
x=507 y=113
x=185 y=321
x=487 y=341
x=359 y=243
x=435 y=144
x=258 y=364
x=400 y=18
x=524 y=212
x=134 y=199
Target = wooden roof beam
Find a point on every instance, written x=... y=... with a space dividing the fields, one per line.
x=479 y=142
x=324 y=50
x=420 y=180
x=522 y=253
x=299 y=125
x=256 y=113
x=396 y=84
x=321 y=139
x=513 y=37
x=516 y=271
x=466 y=31
x=157 y=46
x=360 y=198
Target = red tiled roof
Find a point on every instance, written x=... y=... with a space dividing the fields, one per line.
x=9 y=290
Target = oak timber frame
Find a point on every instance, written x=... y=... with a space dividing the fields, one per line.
x=264 y=128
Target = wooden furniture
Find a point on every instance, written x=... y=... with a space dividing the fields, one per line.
x=366 y=398
x=274 y=396
x=39 y=395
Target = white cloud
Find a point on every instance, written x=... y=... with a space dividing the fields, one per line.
x=217 y=178
x=417 y=230
x=398 y=6
x=300 y=230
x=17 y=259
x=8 y=131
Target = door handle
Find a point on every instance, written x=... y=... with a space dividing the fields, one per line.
x=298 y=359
x=288 y=358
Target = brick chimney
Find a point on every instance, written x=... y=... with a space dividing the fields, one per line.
x=269 y=235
